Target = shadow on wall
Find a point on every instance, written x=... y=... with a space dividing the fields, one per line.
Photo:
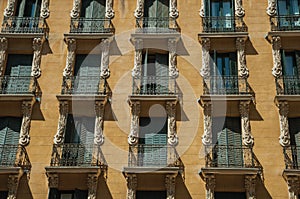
x=181 y=189
x=102 y=189
x=261 y=190
x=24 y=191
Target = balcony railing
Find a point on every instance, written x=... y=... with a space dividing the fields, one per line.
x=157 y=25
x=19 y=85
x=288 y=85
x=83 y=85
x=226 y=85
x=230 y=156
x=26 y=25
x=292 y=157
x=285 y=22
x=223 y=24
x=70 y=155
x=154 y=85
x=14 y=156
x=86 y=25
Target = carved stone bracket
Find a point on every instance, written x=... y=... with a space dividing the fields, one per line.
x=12 y=184
x=171 y=112
x=207 y=136
x=173 y=70
x=131 y=186
x=247 y=137
x=75 y=12
x=45 y=12
x=242 y=67
x=210 y=185
x=105 y=44
x=109 y=12
x=250 y=183
x=135 y=118
x=98 y=135
x=170 y=183
x=174 y=13
x=68 y=71
x=3 y=48
x=63 y=114
x=277 y=67
x=202 y=9
x=53 y=180
x=137 y=70
x=24 y=134
x=37 y=45
x=92 y=183
x=139 y=11
x=239 y=10
x=271 y=9
x=284 y=138
x=205 y=70
x=9 y=10
x=293 y=186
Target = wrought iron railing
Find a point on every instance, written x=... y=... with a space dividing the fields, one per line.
x=230 y=156
x=82 y=85
x=25 y=25
x=288 y=85
x=223 y=24
x=90 y=25
x=226 y=85
x=292 y=157
x=285 y=22
x=19 y=85
x=14 y=156
x=154 y=85
x=157 y=25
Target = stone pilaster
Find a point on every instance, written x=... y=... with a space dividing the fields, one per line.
x=247 y=137
x=174 y=13
x=173 y=70
x=239 y=10
x=53 y=180
x=68 y=71
x=138 y=56
x=170 y=183
x=9 y=10
x=98 y=135
x=75 y=12
x=171 y=112
x=250 y=183
x=271 y=9
x=210 y=185
x=293 y=186
x=284 y=138
x=241 y=56
x=92 y=183
x=25 y=128
x=105 y=73
x=3 y=48
x=109 y=11
x=277 y=66
x=131 y=186
x=202 y=9
x=37 y=56
x=12 y=184
x=207 y=135
x=63 y=114
x=45 y=12
x=135 y=118
x=205 y=70
x=139 y=11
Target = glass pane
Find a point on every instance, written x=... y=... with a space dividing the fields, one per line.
x=294 y=7
x=215 y=8
x=226 y=10
x=282 y=7
x=290 y=68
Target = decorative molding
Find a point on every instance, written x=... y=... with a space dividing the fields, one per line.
x=92 y=182
x=247 y=137
x=75 y=12
x=170 y=183
x=3 y=48
x=53 y=180
x=105 y=44
x=207 y=136
x=239 y=10
x=210 y=185
x=139 y=11
x=68 y=71
x=173 y=70
x=45 y=12
x=205 y=70
x=12 y=185
x=135 y=118
x=138 y=56
x=271 y=9
x=242 y=66
x=202 y=9
x=63 y=114
x=293 y=186
x=9 y=10
x=284 y=138
x=250 y=183
x=24 y=134
x=174 y=13
x=109 y=11
x=131 y=186
x=98 y=135
x=277 y=67
x=37 y=45
x=172 y=134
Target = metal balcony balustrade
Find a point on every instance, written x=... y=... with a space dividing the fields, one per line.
x=226 y=85
x=223 y=24
x=288 y=85
x=157 y=25
x=24 y=25
x=19 y=85
x=292 y=157
x=84 y=85
x=285 y=22
x=14 y=156
x=90 y=25
x=154 y=85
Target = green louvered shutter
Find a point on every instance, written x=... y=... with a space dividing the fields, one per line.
x=162 y=73
x=87 y=138
x=3 y=130
x=157 y=12
x=163 y=13
x=93 y=9
x=222 y=152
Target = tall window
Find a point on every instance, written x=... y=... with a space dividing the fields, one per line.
x=294 y=129
x=291 y=68
x=93 y=9
x=156 y=13
x=230 y=195
x=73 y=194
x=28 y=8
x=288 y=12
x=151 y=194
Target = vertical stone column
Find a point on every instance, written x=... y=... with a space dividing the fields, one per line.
x=277 y=67
x=241 y=56
x=139 y=11
x=207 y=120
x=92 y=183
x=138 y=56
x=9 y=10
x=133 y=137
x=12 y=184
x=205 y=70
x=37 y=55
x=271 y=9
x=131 y=186
x=98 y=135
x=239 y=10
x=171 y=112
x=75 y=12
x=293 y=186
x=173 y=9
x=173 y=70
x=24 y=134
x=247 y=137
x=45 y=12
x=284 y=138
x=210 y=184
x=250 y=183
x=170 y=183
x=3 y=48
x=68 y=71
x=109 y=11
x=105 y=73
x=63 y=114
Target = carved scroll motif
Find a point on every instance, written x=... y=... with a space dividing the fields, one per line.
x=242 y=67
x=63 y=114
x=9 y=10
x=271 y=9
x=173 y=9
x=173 y=70
x=75 y=12
x=247 y=137
x=105 y=73
x=3 y=48
x=135 y=118
x=202 y=9
x=139 y=11
x=207 y=136
x=293 y=186
x=171 y=112
x=37 y=56
x=205 y=70
x=239 y=10
x=284 y=138
x=53 y=180
x=45 y=12
x=12 y=185
x=277 y=67
x=98 y=135
x=24 y=134
x=92 y=183
x=137 y=69
x=250 y=183
x=68 y=71
x=131 y=186
x=109 y=12
x=210 y=185
x=170 y=182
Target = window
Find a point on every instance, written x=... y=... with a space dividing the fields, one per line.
x=93 y=9
x=76 y=194
x=230 y=195
x=287 y=9
x=3 y=194
x=151 y=194
x=28 y=8
x=156 y=13
x=291 y=72
x=294 y=129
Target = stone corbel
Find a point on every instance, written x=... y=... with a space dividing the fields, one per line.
x=139 y=11
x=250 y=183
x=3 y=48
x=173 y=9
x=12 y=184
x=277 y=67
x=131 y=186
x=98 y=135
x=210 y=185
x=271 y=9
x=45 y=12
x=202 y=9
x=75 y=12
x=53 y=180
x=68 y=71
x=171 y=112
x=37 y=45
x=105 y=44
x=239 y=10
x=109 y=12
x=247 y=137
x=173 y=70
x=24 y=134
x=205 y=70
x=207 y=136
x=9 y=10
x=138 y=56
x=241 y=56
x=63 y=114
x=293 y=186
x=92 y=183
x=170 y=183
x=135 y=118
x=284 y=138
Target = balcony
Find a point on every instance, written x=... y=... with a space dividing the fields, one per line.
x=288 y=85
x=285 y=23
x=157 y=25
x=91 y=26
x=222 y=24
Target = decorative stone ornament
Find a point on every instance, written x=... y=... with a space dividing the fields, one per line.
x=37 y=55
x=98 y=135
x=63 y=114
x=109 y=12
x=284 y=138
x=9 y=10
x=210 y=185
x=205 y=70
x=242 y=67
x=92 y=182
x=239 y=10
x=250 y=183
x=202 y=9
x=173 y=70
x=173 y=9
x=75 y=12
x=45 y=12
x=271 y=9
x=12 y=185
x=131 y=186
x=135 y=118
x=105 y=44
x=68 y=71
x=3 y=48
x=293 y=186
x=139 y=11
x=172 y=134
x=207 y=136
x=247 y=137
x=277 y=67
x=24 y=133
x=53 y=180
x=138 y=56
x=170 y=183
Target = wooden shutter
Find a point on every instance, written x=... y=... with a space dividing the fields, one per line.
x=87 y=138
x=53 y=193
x=162 y=73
